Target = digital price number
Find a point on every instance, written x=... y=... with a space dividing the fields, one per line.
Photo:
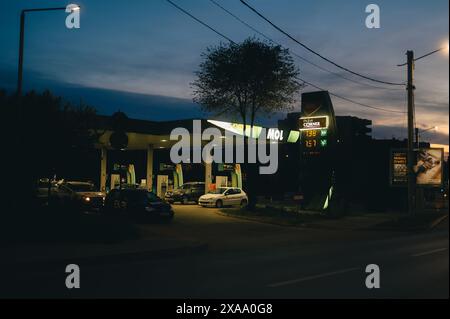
x=315 y=139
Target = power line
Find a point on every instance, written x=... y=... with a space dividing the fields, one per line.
x=314 y=52
x=295 y=54
x=313 y=85
x=199 y=21
x=350 y=100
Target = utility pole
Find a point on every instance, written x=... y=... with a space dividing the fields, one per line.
x=411 y=153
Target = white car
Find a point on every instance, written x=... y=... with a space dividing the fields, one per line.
x=224 y=196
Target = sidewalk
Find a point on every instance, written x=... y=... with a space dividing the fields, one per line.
x=36 y=255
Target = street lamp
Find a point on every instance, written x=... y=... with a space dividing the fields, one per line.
x=411 y=156
x=444 y=48
x=420 y=132
x=22 y=37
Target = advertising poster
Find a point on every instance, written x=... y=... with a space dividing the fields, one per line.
x=429 y=169
x=399 y=168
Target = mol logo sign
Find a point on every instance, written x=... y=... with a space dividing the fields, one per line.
x=313 y=123
x=274 y=134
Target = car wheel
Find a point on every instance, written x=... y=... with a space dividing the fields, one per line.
x=243 y=203
x=185 y=200
x=219 y=204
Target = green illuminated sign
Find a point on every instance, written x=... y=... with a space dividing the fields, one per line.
x=293 y=136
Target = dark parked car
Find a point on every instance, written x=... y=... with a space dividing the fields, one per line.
x=82 y=196
x=138 y=204
x=188 y=192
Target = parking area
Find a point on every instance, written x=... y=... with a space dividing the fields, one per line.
x=193 y=222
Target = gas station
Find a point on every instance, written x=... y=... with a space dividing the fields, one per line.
x=137 y=152
x=145 y=160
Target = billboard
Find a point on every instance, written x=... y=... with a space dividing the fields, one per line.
x=429 y=167
x=399 y=167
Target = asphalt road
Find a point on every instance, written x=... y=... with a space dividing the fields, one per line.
x=254 y=260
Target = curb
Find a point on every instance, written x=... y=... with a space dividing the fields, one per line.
x=437 y=222
x=106 y=259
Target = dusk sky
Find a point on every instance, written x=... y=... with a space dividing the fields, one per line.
x=140 y=56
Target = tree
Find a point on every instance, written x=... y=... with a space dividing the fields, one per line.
x=247 y=79
x=46 y=136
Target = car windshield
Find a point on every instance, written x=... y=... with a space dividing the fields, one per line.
x=81 y=187
x=219 y=190
x=192 y=185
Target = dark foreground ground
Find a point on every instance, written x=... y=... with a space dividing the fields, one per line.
x=247 y=259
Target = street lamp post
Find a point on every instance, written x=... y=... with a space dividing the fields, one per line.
x=21 y=42
x=20 y=66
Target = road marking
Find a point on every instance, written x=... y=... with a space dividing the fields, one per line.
x=294 y=281
x=430 y=252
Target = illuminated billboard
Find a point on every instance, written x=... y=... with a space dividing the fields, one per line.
x=313 y=123
x=238 y=128
x=429 y=167
x=273 y=134
x=399 y=167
